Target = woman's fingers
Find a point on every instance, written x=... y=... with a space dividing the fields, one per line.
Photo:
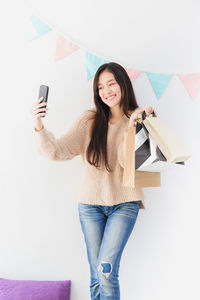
x=137 y=116
x=36 y=106
x=40 y=110
x=133 y=118
x=148 y=110
x=40 y=105
x=40 y=99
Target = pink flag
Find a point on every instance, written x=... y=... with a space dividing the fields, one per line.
x=133 y=74
x=63 y=47
x=191 y=83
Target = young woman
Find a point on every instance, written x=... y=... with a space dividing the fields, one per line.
x=107 y=210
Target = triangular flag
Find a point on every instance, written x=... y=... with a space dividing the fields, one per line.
x=64 y=47
x=40 y=27
x=93 y=63
x=191 y=82
x=159 y=82
x=30 y=35
x=133 y=74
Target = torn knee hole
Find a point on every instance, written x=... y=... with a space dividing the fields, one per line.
x=105 y=268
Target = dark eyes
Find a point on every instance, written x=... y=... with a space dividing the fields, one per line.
x=109 y=85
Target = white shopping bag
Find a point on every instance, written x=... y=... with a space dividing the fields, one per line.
x=148 y=156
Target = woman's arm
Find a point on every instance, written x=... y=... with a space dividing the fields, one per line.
x=137 y=114
x=67 y=146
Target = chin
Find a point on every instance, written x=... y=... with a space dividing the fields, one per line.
x=113 y=104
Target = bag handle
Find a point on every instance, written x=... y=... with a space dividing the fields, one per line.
x=144 y=115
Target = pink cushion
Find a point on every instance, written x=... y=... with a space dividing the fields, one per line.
x=34 y=290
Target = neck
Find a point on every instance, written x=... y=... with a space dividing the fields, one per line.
x=116 y=112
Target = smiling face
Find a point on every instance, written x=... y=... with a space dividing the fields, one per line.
x=109 y=89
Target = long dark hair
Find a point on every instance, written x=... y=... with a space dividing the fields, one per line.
x=97 y=148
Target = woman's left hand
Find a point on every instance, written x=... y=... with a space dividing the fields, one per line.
x=137 y=114
x=148 y=110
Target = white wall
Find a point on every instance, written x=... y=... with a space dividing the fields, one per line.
x=40 y=233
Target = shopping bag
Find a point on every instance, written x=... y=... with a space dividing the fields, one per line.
x=144 y=159
x=131 y=177
x=168 y=142
x=148 y=156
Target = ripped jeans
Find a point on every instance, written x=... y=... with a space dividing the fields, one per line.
x=106 y=231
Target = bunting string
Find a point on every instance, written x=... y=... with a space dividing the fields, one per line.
x=65 y=46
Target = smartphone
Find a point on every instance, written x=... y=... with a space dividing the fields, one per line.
x=43 y=92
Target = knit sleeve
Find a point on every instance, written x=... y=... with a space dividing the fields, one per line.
x=67 y=146
x=122 y=148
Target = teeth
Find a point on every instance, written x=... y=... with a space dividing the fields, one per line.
x=110 y=97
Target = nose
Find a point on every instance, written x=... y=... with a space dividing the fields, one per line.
x=108 y=92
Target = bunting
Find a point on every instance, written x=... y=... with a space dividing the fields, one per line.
x=133 y=74
x=191 y=83
x=93 y=62
x=65 y=46
x=40 y=27
x=159 y=82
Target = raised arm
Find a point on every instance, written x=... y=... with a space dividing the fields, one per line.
x=136 y=115
x=67 y=146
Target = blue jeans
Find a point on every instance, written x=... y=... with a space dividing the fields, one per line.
x=106 y=230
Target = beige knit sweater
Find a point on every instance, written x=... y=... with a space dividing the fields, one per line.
x=98 y=186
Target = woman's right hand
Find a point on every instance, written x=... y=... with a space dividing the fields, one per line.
x=36 y=114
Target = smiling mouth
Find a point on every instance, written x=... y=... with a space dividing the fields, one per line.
x=110 y=98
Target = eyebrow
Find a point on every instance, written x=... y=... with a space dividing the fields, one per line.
x=107 y=81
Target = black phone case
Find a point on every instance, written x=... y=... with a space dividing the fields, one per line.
x=43 y=92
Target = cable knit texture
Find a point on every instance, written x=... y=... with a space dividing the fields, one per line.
x=97 y=186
